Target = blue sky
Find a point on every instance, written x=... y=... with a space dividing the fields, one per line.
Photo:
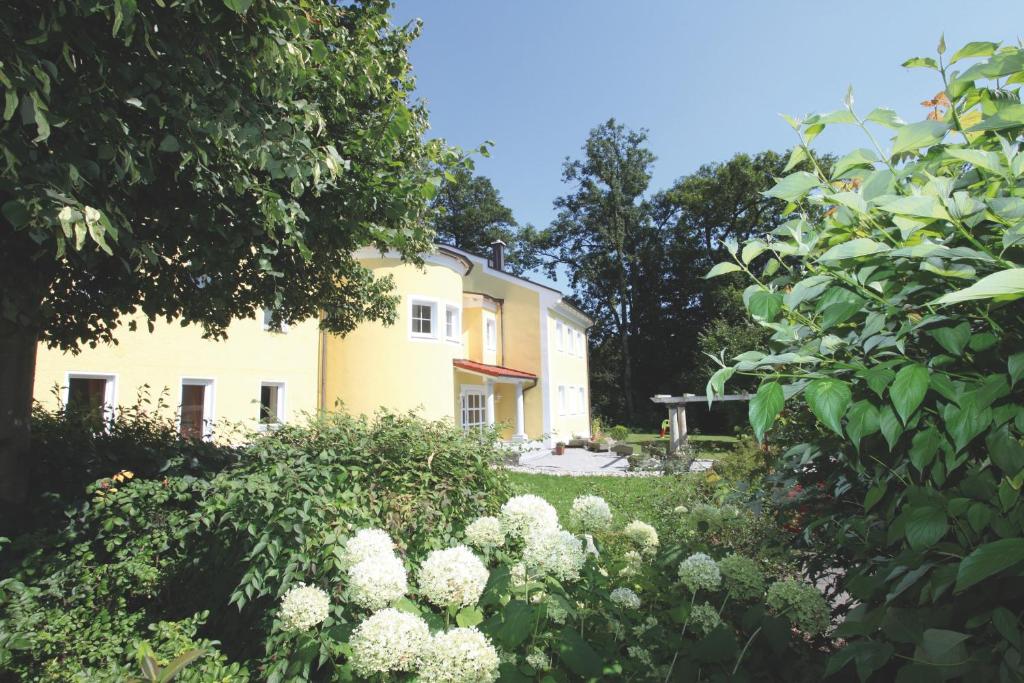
x=706 y=79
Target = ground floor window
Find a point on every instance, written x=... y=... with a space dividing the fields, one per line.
x=474 y=409
x=90 y=396
x=271 y=403
x=196 y=420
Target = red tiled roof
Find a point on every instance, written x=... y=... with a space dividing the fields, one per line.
x=492 y=370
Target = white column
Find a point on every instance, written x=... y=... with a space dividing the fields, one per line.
x=520 y=434
x=490 y=403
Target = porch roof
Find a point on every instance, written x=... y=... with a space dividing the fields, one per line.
x=491 y=370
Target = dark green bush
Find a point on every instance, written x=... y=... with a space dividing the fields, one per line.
x=213 y=553
x=619 y=433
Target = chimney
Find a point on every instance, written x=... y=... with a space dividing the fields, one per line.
x=498 y=255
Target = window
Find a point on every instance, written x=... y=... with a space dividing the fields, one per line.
x=583 y=401
x=474 y=409
x=196 y=420
x=271 y=403
x=570 y=400
x=91 y=396
x=581 y=344
x=561 y=399
x=422 y=316
x=268 y=322
x=572 y=341
x=560 y=335
x=452 y=328
x=491 y=334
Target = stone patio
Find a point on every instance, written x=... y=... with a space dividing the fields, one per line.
x=581 y=462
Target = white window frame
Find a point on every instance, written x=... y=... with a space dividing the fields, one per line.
x=560 y=335
x=581 y=344
x=572 y=340
x=561 y=399
x=209 y=402
x=475 y=390
x=109 y=391
x=456 y=332
x=435 y=322
x=582 y=400
x=490 y=333
x=265 y=314
x=282 y=392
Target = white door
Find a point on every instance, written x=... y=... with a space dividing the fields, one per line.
x=474 y=409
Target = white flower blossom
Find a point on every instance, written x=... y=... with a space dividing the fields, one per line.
x=591 y=513
x=699 y=572
x=522 y=514
x=634 y=564
x=485 y=532
x=625 y=597
x=556 y=552
x=517 y=574
x=389 y=640
x=303 y=607
x=590 y=546
x=453 y=577
x=643 y=536
x=556 y=611
x=461 y=655
x=377 y=582
x=538 y=659
x=367 y=544
x=639 y=654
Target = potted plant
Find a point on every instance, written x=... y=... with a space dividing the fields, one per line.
x=560 y=448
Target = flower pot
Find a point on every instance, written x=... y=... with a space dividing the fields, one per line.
x=559 y=448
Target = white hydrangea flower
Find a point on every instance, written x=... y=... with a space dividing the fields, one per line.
x=377 y=582
x=556 y=552
x=461 y=655
x=556 y=611
x=626 y=597
x=390 y=640
x=538 y=659
x=453 y=576
x=523 y=514
x=590 y=546
x=634 y=564
x=485 y=532
x=365 y=545
x=303 y=607
x=639 y=654
x=699 y=572
x=517 y=574
x=591 y=513
x=642 y=535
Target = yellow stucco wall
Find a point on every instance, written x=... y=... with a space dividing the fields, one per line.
x=161 y=359
x=383 y=366
x=569 y=369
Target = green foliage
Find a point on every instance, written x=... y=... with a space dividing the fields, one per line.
x=899 y=324
x=619 y=433
x=158 y=546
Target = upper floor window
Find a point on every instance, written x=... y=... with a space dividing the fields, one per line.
x=560 y=335
x=271 y=403
x=491 y=334
x=423 y=319
x=572 y=341
x=268 y=322
x=581 y=344
x=452 y=327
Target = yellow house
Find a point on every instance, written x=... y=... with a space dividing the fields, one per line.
x=472 y=343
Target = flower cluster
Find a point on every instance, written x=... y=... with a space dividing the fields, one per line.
x=643 y=536
x=699 y=572
x=591 y=513
x=303 y=607
x=453 y=577
x=555 y=552
x=367 y=544
x=377 y=582
x=522 y=514
x=538 y=659
x=704 y=618
x=625 y=597
x=485 y=532
x=742 y=578
x=802 y=603
x=634 y=564
x=461 y=655
x=389 y=640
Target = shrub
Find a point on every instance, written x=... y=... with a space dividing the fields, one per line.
x=893 y=300
x=619 y=433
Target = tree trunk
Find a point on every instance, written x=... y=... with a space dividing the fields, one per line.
x=627 y=359
x=17 y=374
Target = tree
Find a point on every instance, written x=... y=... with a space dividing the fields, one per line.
x=597 y=232
x=471 y=216
x=198 y=160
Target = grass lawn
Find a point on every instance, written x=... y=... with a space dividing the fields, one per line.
x=650 y=499
x=640 y=438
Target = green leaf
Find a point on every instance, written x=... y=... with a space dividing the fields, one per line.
x=914 y=136
x=943 y=648
x=764 y=407
x=240 y=6
x=1005 y=283
x=908 y=389
x=855 y=248
x=1015 y=366
x=39 y=114
x=988 y=560
x=764 y=305
x=716 y=385
x=921 y=206
x=966 y=422
x=169 y=144
x=175 y=666
x=921 y=62
x=828 y=400
x=953 y=339
x=578 y=655
x=15 y=212
x=722 y=269
x=10 y=104
x=1005 y=451
x=469 y=616
x=798 y=154
x=978 y=158
x=924 y=447
x=890 y=426
x=875 y=494
x=925 y=527
x=517 y=624
x=858 y=157
x=794 y=186
x=751 y=250
x=861 y=420
x=885 y=117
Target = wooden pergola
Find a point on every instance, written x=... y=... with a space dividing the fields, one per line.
x=677 y=414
